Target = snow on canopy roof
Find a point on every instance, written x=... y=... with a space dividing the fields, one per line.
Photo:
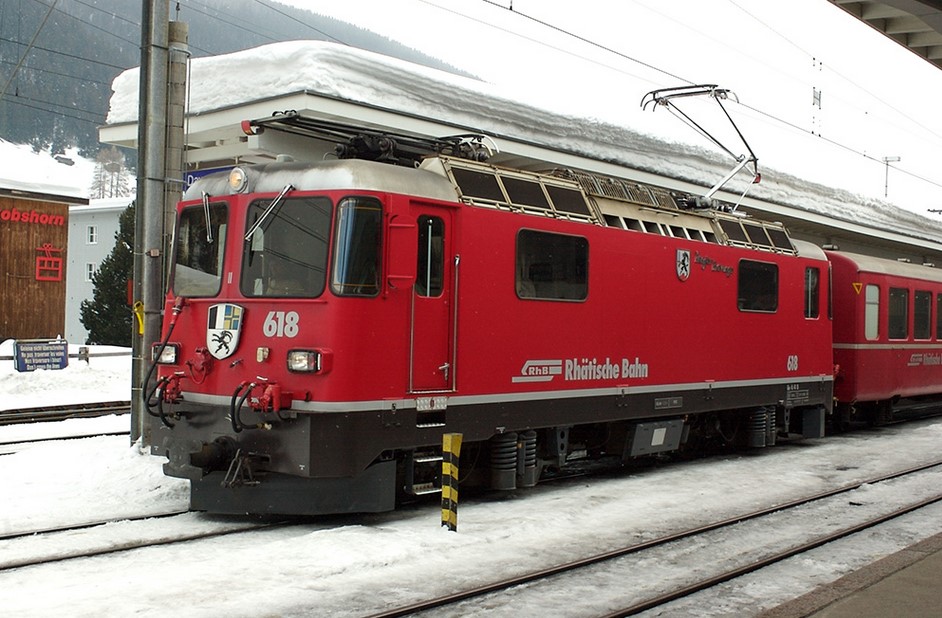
x=359 y=76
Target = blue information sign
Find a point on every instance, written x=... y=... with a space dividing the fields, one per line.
x=193 y=175
x=33 y=354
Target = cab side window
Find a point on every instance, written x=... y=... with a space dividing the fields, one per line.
x=812 y=292
x=431 y=264
x=357 y=241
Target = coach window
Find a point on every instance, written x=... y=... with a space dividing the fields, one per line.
x=286 y=254
x=357 y=233
x=200 y=246
x=938 y=316
x=872 y=312
x=898 y=314
x=758 y=286
x=812 y=292
x=431 y=266
x=552 y=266
x=922 y=315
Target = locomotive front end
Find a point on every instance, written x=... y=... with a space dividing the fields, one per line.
x=250 y=400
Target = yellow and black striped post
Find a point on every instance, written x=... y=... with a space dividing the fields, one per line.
x=451 y=450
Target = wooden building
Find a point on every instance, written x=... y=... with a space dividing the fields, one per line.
x=34 y=232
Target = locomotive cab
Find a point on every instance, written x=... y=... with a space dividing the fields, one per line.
x=282 y=300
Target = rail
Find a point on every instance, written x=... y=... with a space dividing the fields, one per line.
x=63 y=412
x=531 y=579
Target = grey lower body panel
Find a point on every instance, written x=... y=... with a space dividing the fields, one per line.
x=335 y=462
x=372 y=491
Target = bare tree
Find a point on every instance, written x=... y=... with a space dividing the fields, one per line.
x=111 y=175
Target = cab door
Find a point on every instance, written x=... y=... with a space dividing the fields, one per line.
x=432 y=336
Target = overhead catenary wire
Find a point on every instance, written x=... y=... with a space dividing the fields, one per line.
x=768 y=115
x=839 y=74
x=25 y=53
x=204 y=9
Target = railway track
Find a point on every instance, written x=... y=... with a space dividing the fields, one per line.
x=634 y=568
x=32 y=548
x=63 y=412
x=16 y=534
x=14 y=446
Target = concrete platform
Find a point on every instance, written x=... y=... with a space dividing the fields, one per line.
x=905 y=584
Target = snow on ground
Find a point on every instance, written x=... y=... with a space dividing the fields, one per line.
x=104 y=378
x=101 y=379
x=350 y=566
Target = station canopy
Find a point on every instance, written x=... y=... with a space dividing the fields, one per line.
x=915 y=24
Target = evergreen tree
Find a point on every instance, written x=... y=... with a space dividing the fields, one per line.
x=107 y=316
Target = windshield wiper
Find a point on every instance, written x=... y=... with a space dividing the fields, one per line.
x=209 y=226
x=268 y=211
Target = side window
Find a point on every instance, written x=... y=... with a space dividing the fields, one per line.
x=922 y=315
x=898 y=314
x=812 y=292
x=938 y=316
x=872 y=313
x=551 y=266
x=357 y=236
x=431 y=264
x=758 y=286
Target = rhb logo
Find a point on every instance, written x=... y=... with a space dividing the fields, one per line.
x=539 y=371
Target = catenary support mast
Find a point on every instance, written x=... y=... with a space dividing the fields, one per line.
x=160 y=162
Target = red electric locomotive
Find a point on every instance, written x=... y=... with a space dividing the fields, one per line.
x=328 y=322
x=886 y=334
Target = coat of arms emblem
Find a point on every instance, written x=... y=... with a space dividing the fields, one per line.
x=222 y=329
x=683 y=264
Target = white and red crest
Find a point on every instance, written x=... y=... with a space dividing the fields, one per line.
x=683 y=264
x=222 y=329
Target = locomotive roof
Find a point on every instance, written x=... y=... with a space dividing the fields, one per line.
x=330 y=175
x=560 y=194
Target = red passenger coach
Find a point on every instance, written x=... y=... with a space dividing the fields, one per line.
x=886 y=333
x=329 y=322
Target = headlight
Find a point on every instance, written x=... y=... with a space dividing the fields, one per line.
x=237 y=180
x=168 y=356
x=304 y=361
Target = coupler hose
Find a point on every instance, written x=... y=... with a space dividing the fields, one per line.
x=177 y=309
x=235 y=404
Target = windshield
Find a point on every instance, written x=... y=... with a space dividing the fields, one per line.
x=287 y=254
x=201 y=243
